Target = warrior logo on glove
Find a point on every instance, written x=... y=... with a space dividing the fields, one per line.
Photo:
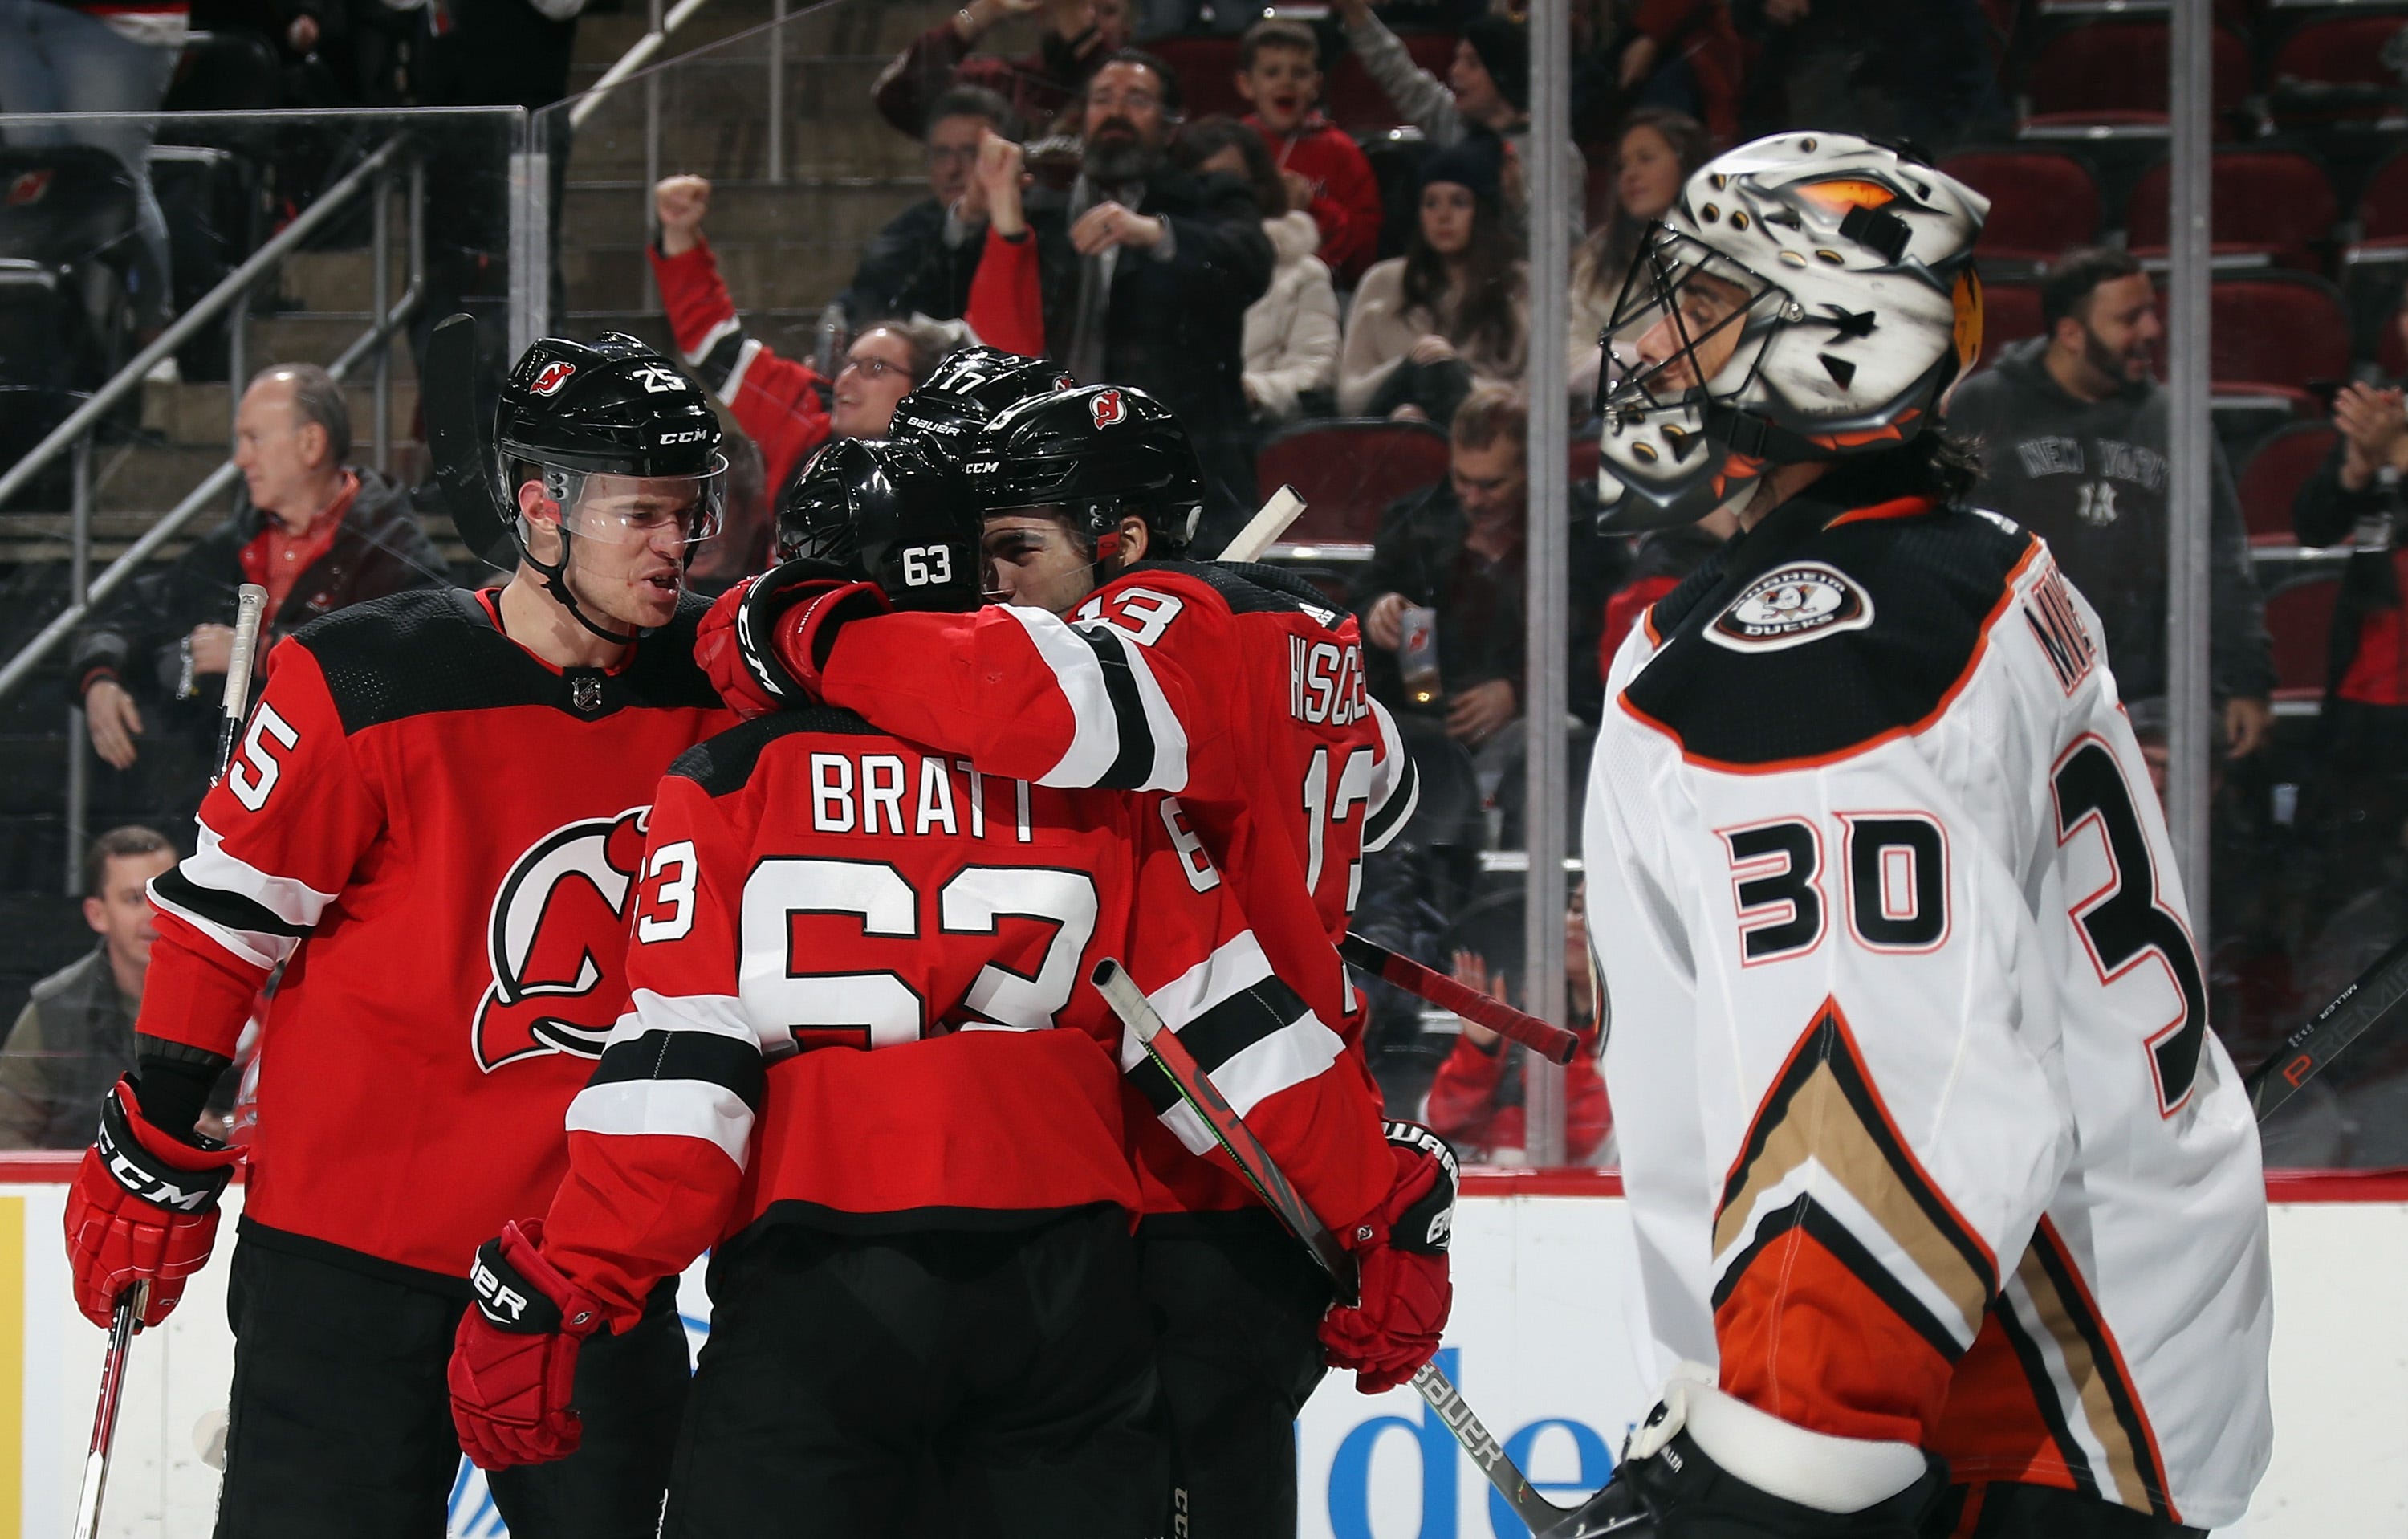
x=551 y=994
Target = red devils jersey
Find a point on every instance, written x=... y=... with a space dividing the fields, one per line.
x=1240 y=699
x=439 y=835
x=859 y=1001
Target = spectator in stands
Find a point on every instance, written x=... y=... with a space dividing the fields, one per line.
x=1040 y=87
x=1291 y=344
x=1460 y=549
x=1475 y=1102
x=2073 y=446
x=1679 y=55
x=1141 y=275
x=318 y=534
x=1324 y=173
x=1857 y=66
x=2355 y=495
x=782 y=403
x=921 y=262
x=76 y=1034
x=1654 y=155
x=1454 y=311
x=91 y=56
x=1487 y=93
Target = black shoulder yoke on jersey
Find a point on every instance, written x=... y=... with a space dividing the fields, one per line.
x=432 y=650
x=724 y=762
x=1915 y=585
x=1247 y=587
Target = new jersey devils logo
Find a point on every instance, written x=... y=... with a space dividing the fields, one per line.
x=1107 y=407
x=552 y=378
x=558 y=924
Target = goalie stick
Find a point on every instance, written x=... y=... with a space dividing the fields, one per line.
x=1269 y=524
x=251 y=608
x=1255 y=1163
x=2306 y=1051
x=1545 y=1037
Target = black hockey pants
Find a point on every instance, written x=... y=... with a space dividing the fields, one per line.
x=341 y=1422
x=1236 y=1304
x=1000 y=1384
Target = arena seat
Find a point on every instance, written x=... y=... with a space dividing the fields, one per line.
x=1348 y=472
x=2299 y=619
x=2330 y=71
x=2373 y=266
x=2272 y=477
x=1207 y=69
x=2042 y=202
x=2107 y=80
x=1354 y=102
x=2010 y=314
x=2268 y=207
x=2273 y=333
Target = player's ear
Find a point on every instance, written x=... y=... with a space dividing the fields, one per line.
x=1133 y=535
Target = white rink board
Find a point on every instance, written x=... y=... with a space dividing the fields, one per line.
x=1544 y=1343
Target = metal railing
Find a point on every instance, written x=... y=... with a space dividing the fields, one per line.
x=375 y=176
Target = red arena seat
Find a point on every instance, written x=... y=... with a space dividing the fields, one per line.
x=1207 y=69
x=2299 y=618
x=2109 y=78
x=2273 y=475
x=2010 y=314
x=2268 y=207
x=1348 y=472
x=2042 y=202
x=2273 y=333
x=2331 y=71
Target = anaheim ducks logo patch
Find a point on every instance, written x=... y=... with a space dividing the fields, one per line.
x=1791 y=606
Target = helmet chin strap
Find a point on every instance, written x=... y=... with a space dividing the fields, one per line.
x=556 y=582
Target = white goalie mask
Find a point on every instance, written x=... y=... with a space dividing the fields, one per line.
x=1807 y=297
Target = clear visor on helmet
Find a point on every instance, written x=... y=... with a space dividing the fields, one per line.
x=1680 y=325
x=615 y=510
x=1025 y=547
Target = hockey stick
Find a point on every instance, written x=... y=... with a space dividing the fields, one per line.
x=2306 y=1051
x=121 y=1327
x=1542 y=1037
x=1254 y=1161
x=456 y=441
x=250 y=608
x=1267 y=524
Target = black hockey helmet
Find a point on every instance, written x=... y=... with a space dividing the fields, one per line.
x=969 y=387
x=889 y=515
x=570 y=412
x=1097 y=453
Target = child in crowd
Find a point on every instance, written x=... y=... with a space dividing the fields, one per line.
x=1279 y=74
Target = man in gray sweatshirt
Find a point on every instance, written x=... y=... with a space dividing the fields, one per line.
x=2073 y=427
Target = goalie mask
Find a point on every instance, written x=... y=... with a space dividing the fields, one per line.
x=1808 y=297
x=885 y=514
x=623 y=445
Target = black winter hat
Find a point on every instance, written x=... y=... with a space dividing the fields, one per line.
x=1503 y=45
x=1477 y=163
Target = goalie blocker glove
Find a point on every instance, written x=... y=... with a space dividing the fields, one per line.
x=514 y=1360
x=1401 y=1248
x=143 y=1208
x=1705 y=1466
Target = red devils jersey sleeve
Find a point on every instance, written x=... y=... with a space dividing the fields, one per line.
x=278 y=839
x=660 y=1138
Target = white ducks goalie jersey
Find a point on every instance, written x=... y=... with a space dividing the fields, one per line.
x=1925 y=1134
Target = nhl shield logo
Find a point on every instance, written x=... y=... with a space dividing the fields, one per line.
x=552 y=378
x=1107 y=408
x=554 y=941
x=1791 y=606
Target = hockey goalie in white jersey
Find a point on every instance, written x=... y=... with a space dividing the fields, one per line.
x=1932 y=1157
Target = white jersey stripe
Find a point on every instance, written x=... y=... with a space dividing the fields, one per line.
x=680 y=1108
x=297 y=903
x=254 y=947
x=1095 y=736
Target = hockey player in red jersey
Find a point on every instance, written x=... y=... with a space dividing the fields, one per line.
x=862 y=1060
x=434 y=825
x=1941 y=1182
x=1236 y=696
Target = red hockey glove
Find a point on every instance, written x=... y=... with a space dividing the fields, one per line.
x=143 y=1208
x=765 y=639
x=514 y=1358
x=1402 y=1250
